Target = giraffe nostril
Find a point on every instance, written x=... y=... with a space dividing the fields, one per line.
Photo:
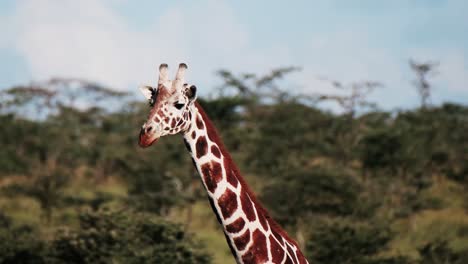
x=148 y=129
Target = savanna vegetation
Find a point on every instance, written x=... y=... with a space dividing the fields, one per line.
x=361 y=186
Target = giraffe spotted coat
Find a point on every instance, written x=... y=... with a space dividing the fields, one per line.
x=252 y=235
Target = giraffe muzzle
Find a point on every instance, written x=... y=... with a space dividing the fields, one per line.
x=147 y=136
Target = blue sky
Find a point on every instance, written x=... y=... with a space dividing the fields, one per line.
x=121 y=42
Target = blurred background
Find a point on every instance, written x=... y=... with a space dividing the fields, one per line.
x=348 y=119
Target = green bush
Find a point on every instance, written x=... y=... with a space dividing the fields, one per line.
x=312 y=192
x=103 y=237
x=440 y=253
x=341 y=242
x=125 y=237
x=19 y=244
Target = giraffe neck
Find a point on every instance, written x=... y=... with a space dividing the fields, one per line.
x=250 y=232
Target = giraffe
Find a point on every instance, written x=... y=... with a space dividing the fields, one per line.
x=252 y=235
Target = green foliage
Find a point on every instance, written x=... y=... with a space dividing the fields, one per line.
x=125 y=237
x=149 y=194
x=350 y=188
x=439 y=252
x=104 y=237
x=341 y=242
x=19 y=244
x=224 y=110
x=306 y=193
x=15 y=141
x=381 y=149
x=292 y=132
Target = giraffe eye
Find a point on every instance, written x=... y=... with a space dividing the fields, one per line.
x=178 y=105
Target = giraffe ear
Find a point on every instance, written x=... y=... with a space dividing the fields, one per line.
x=147 y=91
x=191 y=93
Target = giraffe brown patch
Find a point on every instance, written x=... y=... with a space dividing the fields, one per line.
x=278 y=237
x=258 y=252
x=201 y=146
x=215 y=151
x=156 y=120
x=212 y=174
x=180 y=121
x=211 y=135
x=236 y=226
x=263 y=220
x=289 y=260
x=277 y=252
x=199 y=123
x=247 y=206
x=166 y=119
x=242 y=240
x=194 y=134
x=230 y=175
x=231 y=178
x=173 y=122
x=291 y=252
x=228 y=203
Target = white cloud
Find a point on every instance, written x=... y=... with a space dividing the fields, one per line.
x=75 y=38
x=7 y=32
x=454 y=72
x=89 y=39
x=349 y=57
x=353 y=56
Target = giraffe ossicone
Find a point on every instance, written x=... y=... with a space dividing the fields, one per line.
x=252 y=235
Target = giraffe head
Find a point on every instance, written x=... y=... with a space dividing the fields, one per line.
x=171 y=103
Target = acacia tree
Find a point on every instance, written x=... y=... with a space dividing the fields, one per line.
x=38 y=100
x=253 y=87
x=348 y=129
x=355 y=95
x=423 y=70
